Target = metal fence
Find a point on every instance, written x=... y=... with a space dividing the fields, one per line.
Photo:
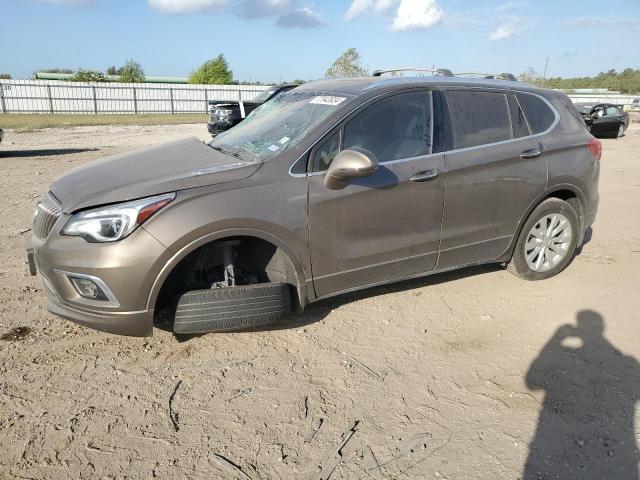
x=38 y=96
x=50 y=96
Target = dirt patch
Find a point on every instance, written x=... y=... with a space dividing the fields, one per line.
x=16 y=334
x=460 y=375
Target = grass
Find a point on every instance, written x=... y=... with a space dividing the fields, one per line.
x=36 y=121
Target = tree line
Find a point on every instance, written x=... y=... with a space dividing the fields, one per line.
x=626 y=81
x=349 y=64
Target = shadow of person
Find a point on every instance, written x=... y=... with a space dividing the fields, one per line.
x=586 y=426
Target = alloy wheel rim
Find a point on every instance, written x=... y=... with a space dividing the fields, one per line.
x=620 y=130
x=548 y=242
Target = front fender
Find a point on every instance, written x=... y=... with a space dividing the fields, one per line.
x=301 y=282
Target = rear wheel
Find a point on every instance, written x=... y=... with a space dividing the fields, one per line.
x=232 y=308
x=620 y=130
x=547 y=242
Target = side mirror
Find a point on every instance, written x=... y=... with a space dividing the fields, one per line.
x=349 y=163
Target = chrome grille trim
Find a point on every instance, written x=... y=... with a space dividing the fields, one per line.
x=47 y=213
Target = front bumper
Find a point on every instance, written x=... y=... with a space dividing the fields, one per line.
x=127 y=269
x=136 y=324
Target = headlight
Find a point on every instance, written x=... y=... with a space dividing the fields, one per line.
x=114 y=222
x=223 y=113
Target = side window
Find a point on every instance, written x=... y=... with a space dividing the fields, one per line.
x=325 y=154
x=612 y=111
x=478 y=118
x=394 y=128
x=518 y=120
x=538 y=113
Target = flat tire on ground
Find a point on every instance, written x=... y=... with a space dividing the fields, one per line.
x=232 y=308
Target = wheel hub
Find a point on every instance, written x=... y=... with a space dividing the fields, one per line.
x=548 y=242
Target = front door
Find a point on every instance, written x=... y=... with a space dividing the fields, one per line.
x=385 y=226
x=606 y=121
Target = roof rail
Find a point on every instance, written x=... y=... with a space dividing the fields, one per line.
x=494 y=76
x=445 y=72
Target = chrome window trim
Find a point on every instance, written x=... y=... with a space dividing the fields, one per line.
x=111 y=298
x=456 y=150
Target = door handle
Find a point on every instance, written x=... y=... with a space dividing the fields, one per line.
x=424 y=176
x=533 y=153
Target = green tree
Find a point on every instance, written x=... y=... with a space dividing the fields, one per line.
x=131 y=72
x=5 y=76
x=83 y=75
x=627 y=81
x=348 y=64
x=214 y=71
x=530 y=76
x=112 y=70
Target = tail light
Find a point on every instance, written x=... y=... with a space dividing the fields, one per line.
x=595 y=147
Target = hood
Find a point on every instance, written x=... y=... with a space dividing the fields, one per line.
x=229 y=104
x=169 y=167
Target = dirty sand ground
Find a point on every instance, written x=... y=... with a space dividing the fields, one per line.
x=434 y=371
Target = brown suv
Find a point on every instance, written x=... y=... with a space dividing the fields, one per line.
x=334 y=186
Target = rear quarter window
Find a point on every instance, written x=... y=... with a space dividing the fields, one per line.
x=478 y=118
x=538 y=113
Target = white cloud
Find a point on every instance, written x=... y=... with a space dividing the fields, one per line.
x=409 y=14
x=510 y=26
x=301 y=18
x=186 y=6
x=415 y=14
x=358 y=7
x=289 y=13
x=511 y=5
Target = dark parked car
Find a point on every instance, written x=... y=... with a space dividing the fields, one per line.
x=224 y=114
x=336 y=186
x=1 y=135
x=604 y=119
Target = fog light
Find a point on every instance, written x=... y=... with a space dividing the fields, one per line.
x=87 y=288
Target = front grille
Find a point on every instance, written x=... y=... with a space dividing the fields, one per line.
x=47 y=213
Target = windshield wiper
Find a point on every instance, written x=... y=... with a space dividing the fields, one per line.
x=226 y=152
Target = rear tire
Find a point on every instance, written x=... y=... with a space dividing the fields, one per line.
x=232 y=308
x=620 y=131
x=547 y=242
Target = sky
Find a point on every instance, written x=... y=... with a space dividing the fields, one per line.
x=283 y=40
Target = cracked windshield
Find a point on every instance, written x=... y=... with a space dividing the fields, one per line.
x=277 y=125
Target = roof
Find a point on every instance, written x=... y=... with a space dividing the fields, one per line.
x=355 y=86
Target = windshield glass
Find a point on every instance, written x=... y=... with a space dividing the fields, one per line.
x=277 y=125
x=263 y=96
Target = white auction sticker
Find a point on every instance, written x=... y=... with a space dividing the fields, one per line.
x=283 y=140
x=274 y=148
x=327 y=100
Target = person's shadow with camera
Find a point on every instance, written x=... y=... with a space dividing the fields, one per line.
x=586 y=426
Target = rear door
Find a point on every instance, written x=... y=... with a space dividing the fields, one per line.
x=495 y=168
x=385 y=226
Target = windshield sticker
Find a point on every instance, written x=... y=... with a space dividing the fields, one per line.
x=274 y=148
x=327 y=100
x=283 y=140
